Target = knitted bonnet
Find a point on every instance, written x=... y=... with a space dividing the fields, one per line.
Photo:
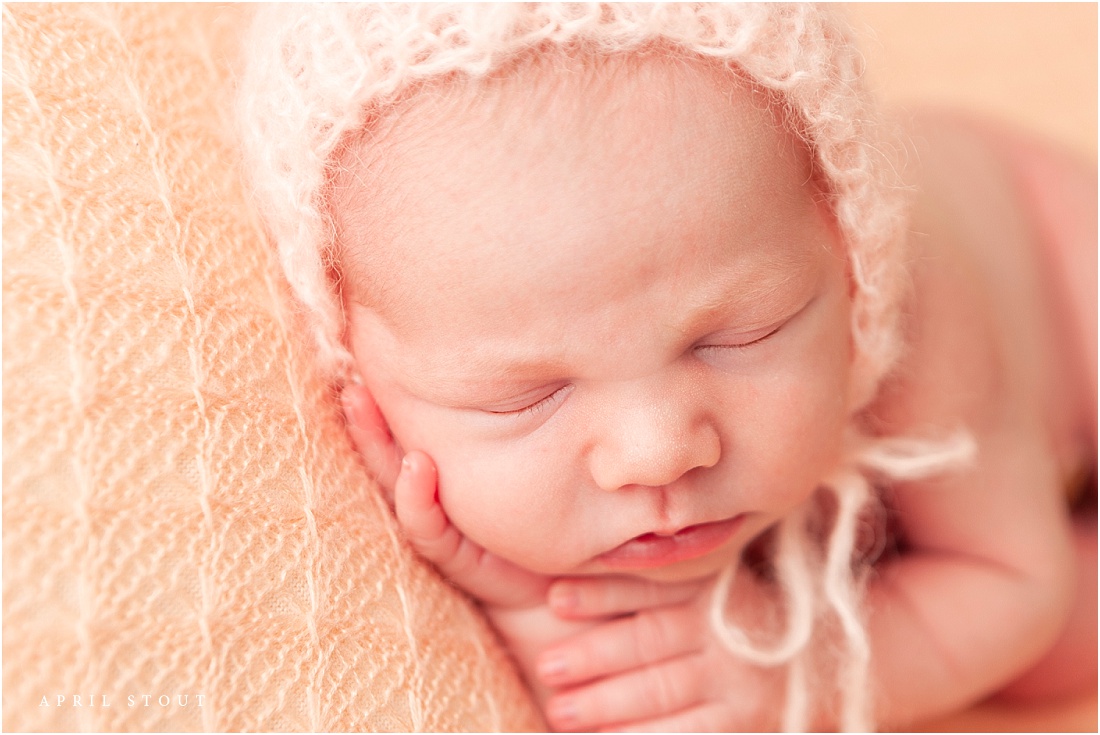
x=315 y=74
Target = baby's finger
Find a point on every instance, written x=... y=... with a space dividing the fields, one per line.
x=703 y=718
x=420 y=514
x=371 y=436
x=643 y=694
x=581 y=597
x=621 y=645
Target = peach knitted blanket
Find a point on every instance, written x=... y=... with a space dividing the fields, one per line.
x=183 y=514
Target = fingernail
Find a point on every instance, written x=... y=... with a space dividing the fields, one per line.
x=563 y=598
x=406 y=463
x=563 y=712
x=552 y=667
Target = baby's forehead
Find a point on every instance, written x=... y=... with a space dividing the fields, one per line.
x=459 y=147
x=611 y=107
x=592 y=92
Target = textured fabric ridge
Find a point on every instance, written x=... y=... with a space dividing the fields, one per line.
x=183 y=514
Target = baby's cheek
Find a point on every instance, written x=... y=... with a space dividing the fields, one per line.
x=508 y=506
x=798 y=438
x=818 y=418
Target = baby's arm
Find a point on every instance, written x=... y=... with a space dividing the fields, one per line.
x=982 y=592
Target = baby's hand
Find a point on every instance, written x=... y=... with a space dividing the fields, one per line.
x=494 y=581
x=659 y=669
x=512 y=598
x=411 y=482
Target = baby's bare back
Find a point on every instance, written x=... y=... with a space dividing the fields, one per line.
x=1004 y=235
x=1003 y=340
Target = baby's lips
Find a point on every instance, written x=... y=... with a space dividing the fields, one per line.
x=652 y=550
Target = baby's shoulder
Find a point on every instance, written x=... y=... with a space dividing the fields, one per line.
x=1003 y=252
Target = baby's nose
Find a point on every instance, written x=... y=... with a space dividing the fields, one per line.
x=653 y=442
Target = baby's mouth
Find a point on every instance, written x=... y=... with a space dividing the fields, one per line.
x=655 y=550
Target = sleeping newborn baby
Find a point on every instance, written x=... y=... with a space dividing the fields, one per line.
x=632 y=327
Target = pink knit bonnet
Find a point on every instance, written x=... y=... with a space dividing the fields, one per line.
x=314 y=74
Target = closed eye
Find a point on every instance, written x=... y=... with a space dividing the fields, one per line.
x=538 y=406
x=741 y=345
x=732 y=342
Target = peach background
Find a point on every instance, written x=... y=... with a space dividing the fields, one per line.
x=1032 y=63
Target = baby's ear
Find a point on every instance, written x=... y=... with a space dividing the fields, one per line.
x=371 y=436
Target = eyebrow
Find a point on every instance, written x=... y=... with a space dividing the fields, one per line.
x=755 y=302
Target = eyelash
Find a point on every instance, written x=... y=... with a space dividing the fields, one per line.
x=535 y=407
x=743 y=345
x=543 y=403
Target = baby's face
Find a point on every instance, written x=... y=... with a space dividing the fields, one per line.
x=612 y=310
